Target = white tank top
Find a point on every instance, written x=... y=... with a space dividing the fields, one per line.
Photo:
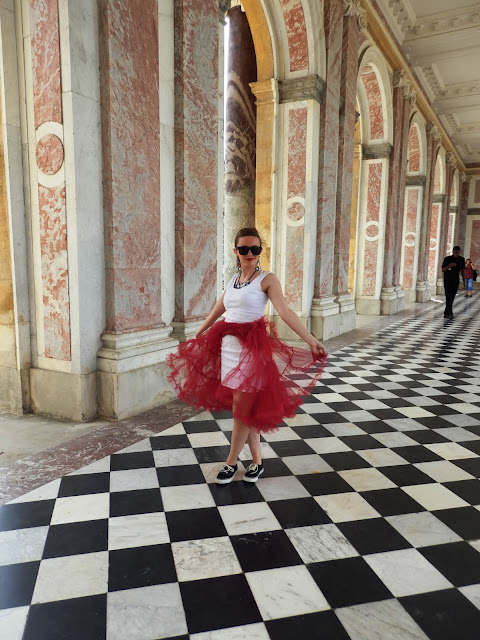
x=246 y=304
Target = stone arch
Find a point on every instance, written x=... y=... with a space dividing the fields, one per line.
x=417 y=145
x=374 y=98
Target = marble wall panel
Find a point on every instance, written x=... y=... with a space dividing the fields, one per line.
x=425 y=222
x=410 y=238
x=413 y=150
x=296 y=187
x=52 y=223
x=462 y=214
x=371 y=230
x=443 y=227
x=433 y=245
x=375 y=105
x=401 y=178
x=196 y=156
x=295 y=26
x=477 y=191
x=130 y=127
x=451 y=219
x=437 y=180
x=475 y=243
x=328 y=161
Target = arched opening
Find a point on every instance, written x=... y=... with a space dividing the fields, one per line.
x=373 y=145
x=436 y=219
x=413 y=206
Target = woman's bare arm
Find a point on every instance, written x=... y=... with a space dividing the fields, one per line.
x=213 y=316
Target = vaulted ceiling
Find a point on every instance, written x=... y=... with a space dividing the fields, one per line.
x=441 y=40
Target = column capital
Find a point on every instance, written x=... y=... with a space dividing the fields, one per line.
x=307 y=88
x=465 y=178
x=401 y=81
x=353 y=8
x=434 y=132
x=377 y=151
x=265 y=91
x=451 y=159
x=223 y=7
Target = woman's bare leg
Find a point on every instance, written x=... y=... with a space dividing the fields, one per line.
x=254 y=444
x=240 y=435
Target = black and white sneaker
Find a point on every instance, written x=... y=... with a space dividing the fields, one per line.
x=226 y=475
x=253 y=472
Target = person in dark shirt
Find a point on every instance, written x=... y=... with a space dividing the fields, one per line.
x=452 y=267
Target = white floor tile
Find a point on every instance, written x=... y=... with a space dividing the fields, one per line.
x=248 y=518
x=137 y=531
x=381 y=457
x=434 y=496
x=423 y=529
x=22 y=545
x=133 y=479
x=319 y=543
x=282 y=488
x=450 y=450
x=209 y=558
x=12 y=623
x=443 y=471
x=327 y=445
x=344 y=507
x=366 y=479
x=190 y=496
x=174 y=457
x=80 y=508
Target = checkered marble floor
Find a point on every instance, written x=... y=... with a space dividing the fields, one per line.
x=366 y=524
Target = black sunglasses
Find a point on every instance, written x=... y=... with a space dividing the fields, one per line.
x=243 y=251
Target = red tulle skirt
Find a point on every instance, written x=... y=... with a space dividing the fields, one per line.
x=267 y=393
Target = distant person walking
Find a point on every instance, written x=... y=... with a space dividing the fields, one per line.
x=451 y=267
x=470 y=273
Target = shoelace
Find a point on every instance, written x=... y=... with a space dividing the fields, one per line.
x=253 y=468
x=228 y=468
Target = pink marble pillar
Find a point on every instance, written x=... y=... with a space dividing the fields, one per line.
x=48 y=123
x=370 y=271
x=410 y=237
x=196 y=157
x=294 y=18
x=402 y=180
x=425 y=223
x=433 y=243
x=240 y=134
x=443 y=235
x=462 y=213
x=474 y=252
x=296 y=183
x=131 y=161
x=348 y=91
x=395 y=186
x=451 y=219
x=329 y=133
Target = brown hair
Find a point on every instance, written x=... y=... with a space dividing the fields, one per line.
x=247 y=231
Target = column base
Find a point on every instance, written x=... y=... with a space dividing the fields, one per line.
x=15 y=390
x=392 y=301
x=284 y=330
x=183 y=331
x=332 y=316
x=423 y=291
x=132 y=372
x=368 y=306
x=64 y=395
x=439 y=287
x=410 y=295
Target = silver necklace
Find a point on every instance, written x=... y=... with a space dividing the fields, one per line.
x=239 y=285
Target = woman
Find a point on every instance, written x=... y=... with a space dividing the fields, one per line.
x=469 y=269
x=239 y=363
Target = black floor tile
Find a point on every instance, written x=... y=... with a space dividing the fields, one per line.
x=212 y=454
x=141 y=567
x=328 y=418
x=416 y=453
x=170 y=442
x=444 y=615
x=75 y=619
x=348 y=582
x=357 y=443
x=459 y=562
x=129 y=503
x=235 y=493
x=312 y=431
x=24 y=515
x=301 y=512
x=135 y=460
x=320 y=484
x=427 y=436
x=374 y=535
x=291 y=448
x=84 y=483
x=17 y=582
x=392 y=502
x=345 y=460
x=266 y=550
x=180 y=475
x=196 y=524
x=470 y=465
x=76 y=538
x=315 y=626
x=201 y=426
x=218 y=603
x=406 y=474
x=463 y=520
x=376 y=426
x=469 y=490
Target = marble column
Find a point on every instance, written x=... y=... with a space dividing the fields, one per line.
x=240 y=134
x=462 y=213
x=445 y=220
x=409 y=263
x=423 y=287
x=354 y=21
x=15 y=355
x=196 y=50
x=136 y=341
x=299 y=119
x=65 y=174
x=326 y=319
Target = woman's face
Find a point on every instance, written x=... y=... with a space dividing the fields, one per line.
x=249 y=260
x=468 y=262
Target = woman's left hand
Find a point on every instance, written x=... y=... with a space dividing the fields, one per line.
x=318 y=350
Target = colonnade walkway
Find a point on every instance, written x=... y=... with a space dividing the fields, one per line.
x=366 y=523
